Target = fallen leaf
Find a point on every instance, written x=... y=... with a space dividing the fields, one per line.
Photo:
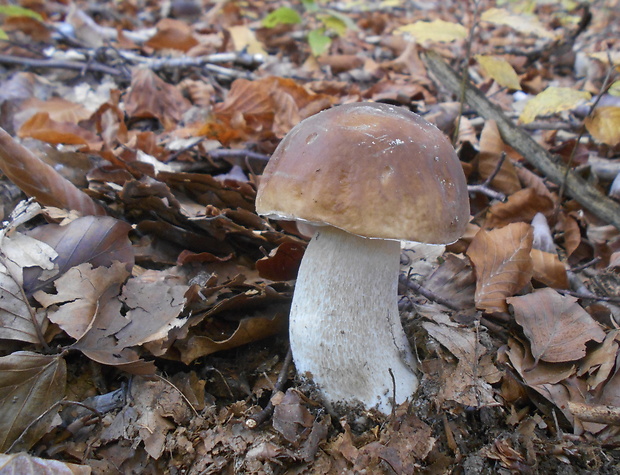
x=151 y=97
x=436 y=30
x=99 y=240
x=30 y=385
x=599 y=362
x=502 y=262
x=551 y=101
x=282 y=263
x=548 y=269
x=25 y=464
x=290 y=415
x=491 y=148
x=523 y=23
x=172 y=34
x=42 y=127
x=604 y=125
x=500 y=70
x=521 y=206
x=557 y=327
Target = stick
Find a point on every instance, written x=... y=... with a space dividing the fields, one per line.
x=584 y=193
x=600 y=414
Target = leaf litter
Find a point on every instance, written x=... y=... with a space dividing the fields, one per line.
x=143 y=310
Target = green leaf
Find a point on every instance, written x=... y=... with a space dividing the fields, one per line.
x=334 y=24
x=14 y=10
x=3 y=35
x=281 y=16
x=319 y=42
x=310 y=5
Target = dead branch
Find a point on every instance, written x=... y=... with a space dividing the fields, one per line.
x=598 y=413
x=584 y=193
x=58 y=64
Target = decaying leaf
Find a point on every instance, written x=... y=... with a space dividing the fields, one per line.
x=468 y=382
x=503 y=264
x=557 y=326
x=30 y=385
x=290 y=416
x=520 y=206
x=599 y=362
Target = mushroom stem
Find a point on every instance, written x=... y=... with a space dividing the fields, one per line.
x=345 y=330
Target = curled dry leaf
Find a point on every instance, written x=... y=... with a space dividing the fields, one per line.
x=599 y=362
x=36 y=382
x=556 y=326
x=502 y=263
x=41 y=127
x=39 y=180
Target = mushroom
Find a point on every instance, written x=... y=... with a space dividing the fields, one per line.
x=365 y=176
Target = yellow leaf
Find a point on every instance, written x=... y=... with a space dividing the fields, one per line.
x=551 y=101
x=500 y=70
x=614 y=89
x=436 y=30
x=523 y=23
x=244 y=39
x=604 y=125
x=605 y=56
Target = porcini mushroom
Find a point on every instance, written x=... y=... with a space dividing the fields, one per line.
x=366 y=175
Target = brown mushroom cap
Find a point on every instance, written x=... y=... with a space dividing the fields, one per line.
x=371 y=169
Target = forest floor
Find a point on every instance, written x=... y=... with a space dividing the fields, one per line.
x=144 y=303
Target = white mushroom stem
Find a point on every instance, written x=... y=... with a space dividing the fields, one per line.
x=345 y=330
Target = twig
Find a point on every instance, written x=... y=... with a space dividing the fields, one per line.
x=600 y=414
x=56 y=64
x=591 y=296
x=583 y=192
x=485 y=187
x=429 y=294
x=234 y=153
x=257 y=419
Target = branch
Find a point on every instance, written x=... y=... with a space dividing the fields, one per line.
x=55 y=64
x=584 y=193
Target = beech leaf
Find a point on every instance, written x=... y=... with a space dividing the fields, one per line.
x=604 y=125
x=30 y=384
x=99 y=240
x=500 y=70
x=502 y=262
x=551 y=101
x=26 y=464
x=556 y=326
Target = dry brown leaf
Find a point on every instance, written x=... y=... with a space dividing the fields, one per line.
x=491 y=148
x=99 y=240
x=520 y=206
x=502 y=263
x=151 y=97
x=59 y=109
x=30 y=385
x=548 y=269
x=268 y=107
x=282 y=263
x=42 y=127
x=25 y=464
x=455 y=281
x=599 y=362
x=38 y=179
x=290 y=415
x=557 y=327
x=467 y=384
x=172 y=34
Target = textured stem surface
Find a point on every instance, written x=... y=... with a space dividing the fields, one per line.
x=345 y=329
